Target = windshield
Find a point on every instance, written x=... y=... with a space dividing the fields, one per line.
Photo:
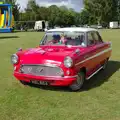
x=64 y=38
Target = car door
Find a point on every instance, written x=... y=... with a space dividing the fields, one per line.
x=101 y=47
x=91 y=51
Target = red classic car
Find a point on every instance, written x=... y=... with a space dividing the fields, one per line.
x=65 y=57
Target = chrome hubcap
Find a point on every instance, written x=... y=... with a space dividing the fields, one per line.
x=78 y=83
x=79 y=80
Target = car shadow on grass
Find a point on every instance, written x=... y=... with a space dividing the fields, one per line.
x=50 y=88
x=8 y=37
x=102 y=76
x=96 y=81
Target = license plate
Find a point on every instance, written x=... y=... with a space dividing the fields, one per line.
x=39 y=82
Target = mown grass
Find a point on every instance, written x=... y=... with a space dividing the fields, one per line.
x=99 y=100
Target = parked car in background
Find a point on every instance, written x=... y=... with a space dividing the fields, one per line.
x=94 y=26
x=65 y=57
x=99 y=27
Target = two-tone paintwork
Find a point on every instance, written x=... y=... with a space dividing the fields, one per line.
x=90 y=58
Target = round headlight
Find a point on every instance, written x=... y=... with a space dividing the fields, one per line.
x=68 y=62
x=14 y=59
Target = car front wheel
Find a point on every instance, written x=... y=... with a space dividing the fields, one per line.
x=77 y=85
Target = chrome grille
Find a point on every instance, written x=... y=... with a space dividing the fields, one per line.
x=41 y=70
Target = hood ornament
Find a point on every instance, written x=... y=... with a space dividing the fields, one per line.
x=42 y=52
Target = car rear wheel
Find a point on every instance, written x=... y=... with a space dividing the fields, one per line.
x=105 y=64
x=77 y=85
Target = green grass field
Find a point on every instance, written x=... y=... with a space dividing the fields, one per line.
x=99 y=100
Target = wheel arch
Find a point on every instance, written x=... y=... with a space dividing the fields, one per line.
x=83 y=69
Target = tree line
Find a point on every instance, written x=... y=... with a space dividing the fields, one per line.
x=94 y=12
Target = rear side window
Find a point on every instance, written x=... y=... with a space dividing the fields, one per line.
x=90 y=38
x=97 y=37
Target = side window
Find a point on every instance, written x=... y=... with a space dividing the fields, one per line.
x=97 y=38
x=90 y=38
x=44 y=39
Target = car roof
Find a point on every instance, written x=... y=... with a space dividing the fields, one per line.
x=77 y=29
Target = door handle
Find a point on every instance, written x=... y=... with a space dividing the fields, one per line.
x=86 y=56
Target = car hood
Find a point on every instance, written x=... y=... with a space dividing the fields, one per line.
x=46 y=54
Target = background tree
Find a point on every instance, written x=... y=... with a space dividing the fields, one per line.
x=101 y=10
x=43 y=13
x=84 y=17
x=118 y=10
x=54 y=15
x=30 y=10
x=94 y=12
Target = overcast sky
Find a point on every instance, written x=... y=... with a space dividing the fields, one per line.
x=76 y=4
